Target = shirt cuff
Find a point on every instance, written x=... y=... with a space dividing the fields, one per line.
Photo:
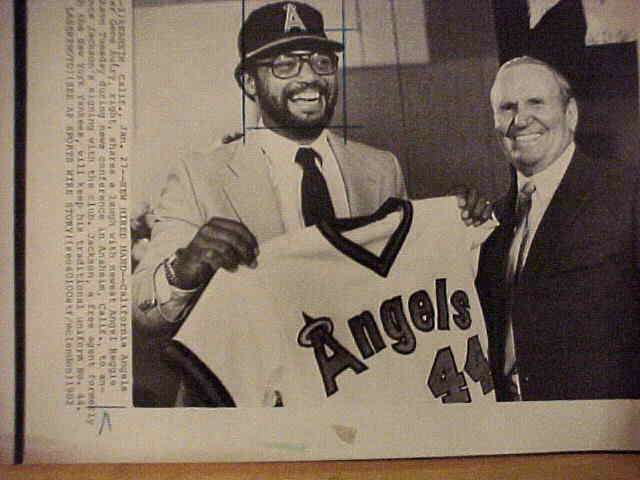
x=170 y=300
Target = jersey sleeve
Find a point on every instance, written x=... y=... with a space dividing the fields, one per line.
x=476 y=236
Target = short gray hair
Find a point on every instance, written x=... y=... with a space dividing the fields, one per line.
x=566 y=92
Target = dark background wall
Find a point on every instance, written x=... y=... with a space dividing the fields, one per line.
x=608 y=99
x=437 y=119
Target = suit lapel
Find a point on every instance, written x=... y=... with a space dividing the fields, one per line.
x=563 y=210
x=505 y=208
x=361 y=192
x=251 y=194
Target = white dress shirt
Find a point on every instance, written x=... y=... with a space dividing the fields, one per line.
x=286 y=174
x=546 y=183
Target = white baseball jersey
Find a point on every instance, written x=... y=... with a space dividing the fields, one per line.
x=363 y=311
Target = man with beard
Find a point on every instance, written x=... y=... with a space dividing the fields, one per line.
x=288 y=173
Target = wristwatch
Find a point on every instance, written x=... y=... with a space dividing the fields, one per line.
x=169 y=271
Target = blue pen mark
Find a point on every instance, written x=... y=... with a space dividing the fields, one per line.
x=106 y=420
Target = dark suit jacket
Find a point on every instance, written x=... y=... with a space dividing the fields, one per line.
x=576 y=314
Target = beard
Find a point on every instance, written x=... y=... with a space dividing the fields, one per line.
x=276 y=108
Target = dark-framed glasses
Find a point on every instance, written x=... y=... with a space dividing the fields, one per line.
x=288 y=65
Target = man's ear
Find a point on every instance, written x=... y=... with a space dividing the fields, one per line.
x=571 y=113
x=248 y=84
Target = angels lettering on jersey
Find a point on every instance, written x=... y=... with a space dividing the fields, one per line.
x=444 y=379
x=360 y=311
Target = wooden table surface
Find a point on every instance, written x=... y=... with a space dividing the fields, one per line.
x=562 y=466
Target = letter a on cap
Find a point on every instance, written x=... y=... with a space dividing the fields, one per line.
x=293 y=20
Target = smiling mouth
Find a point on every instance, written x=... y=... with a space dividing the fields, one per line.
x=526 y=138
x=305 y=97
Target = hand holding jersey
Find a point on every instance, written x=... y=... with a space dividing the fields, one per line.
x=220 y=242
x=384 y=313
x=474 y=209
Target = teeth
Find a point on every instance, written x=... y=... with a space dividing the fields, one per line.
x=528 y=138
x=308 y=97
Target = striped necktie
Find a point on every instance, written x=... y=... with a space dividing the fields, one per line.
x=515 y=264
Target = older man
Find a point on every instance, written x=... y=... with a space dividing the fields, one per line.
x=560 y=278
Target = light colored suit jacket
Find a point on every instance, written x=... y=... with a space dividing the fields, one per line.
x=233 y=182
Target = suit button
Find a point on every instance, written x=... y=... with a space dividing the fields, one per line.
x=526 y=379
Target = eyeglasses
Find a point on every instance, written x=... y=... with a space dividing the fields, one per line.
x=288 y=65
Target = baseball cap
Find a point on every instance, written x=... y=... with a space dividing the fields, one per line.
x=282 y=25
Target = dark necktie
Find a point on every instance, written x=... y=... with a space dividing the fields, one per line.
x=521 y=233
x=316 y=201
x=514 y=267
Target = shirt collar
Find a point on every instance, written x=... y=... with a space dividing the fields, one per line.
x=547 y=180
x=281 y=151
